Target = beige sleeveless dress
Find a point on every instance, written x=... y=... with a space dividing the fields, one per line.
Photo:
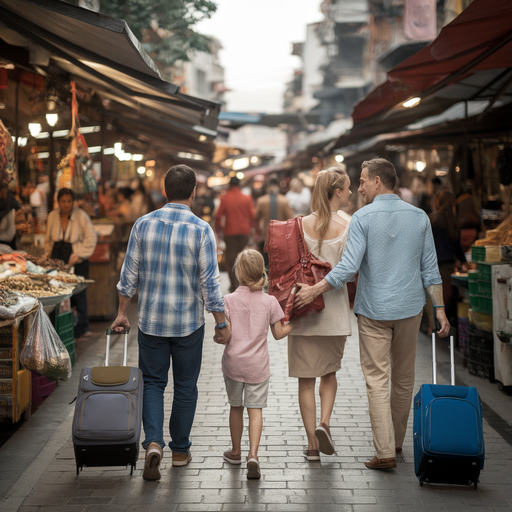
x=316 y=347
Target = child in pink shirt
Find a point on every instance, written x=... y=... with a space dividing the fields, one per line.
x=245 y=362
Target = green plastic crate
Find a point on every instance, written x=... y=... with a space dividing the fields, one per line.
x=487 y=253
x=70 y=347
x=64 y=328
x=481 y=304
x=484 y=288
x=484 y=272
x=473 y=276
x=64 y=321
x=473 y=287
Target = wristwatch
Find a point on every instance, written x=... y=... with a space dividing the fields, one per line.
x=222 y=325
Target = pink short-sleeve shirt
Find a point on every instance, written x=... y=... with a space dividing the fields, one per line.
x=245 y=358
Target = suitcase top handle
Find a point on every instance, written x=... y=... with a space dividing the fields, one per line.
x=107 y=352
x=110 y=332
x=434 y=361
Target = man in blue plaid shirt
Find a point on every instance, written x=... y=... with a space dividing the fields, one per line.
x=172 y=260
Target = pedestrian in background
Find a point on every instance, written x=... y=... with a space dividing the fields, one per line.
x=450 y=255
x=236 y=215
x=271 y=206
x=172 y=260
x=245 y=362
x=316 y=348
x=390 y=243
x=299 y=197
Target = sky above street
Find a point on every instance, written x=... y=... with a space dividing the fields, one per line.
x=257 y=37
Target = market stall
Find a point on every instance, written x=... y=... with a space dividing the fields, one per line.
x=15 y=381
x=34 y=289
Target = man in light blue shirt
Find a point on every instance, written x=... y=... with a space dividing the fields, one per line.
x=390 y=244
x=172 y=260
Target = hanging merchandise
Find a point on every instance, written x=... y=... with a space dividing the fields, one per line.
x=75 y=169
x=6 y=154
x=43 y=352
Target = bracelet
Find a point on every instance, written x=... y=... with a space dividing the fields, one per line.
x=221 y=325
x=438 y=307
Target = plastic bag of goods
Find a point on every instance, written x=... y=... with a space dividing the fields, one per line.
x=44 y=353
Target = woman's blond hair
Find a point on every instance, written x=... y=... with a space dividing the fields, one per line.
x=327 y=182
x=250 y=270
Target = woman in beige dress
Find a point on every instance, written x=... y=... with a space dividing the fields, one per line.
x=315 y=348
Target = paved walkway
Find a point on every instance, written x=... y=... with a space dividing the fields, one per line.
x=37 y=468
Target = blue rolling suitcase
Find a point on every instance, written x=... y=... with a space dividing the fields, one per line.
x=108 y=414
x=448 y=431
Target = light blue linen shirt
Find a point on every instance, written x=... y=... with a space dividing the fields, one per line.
x=172 y=259
x=390 y=243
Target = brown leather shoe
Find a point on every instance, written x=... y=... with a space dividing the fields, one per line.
x=232 y=458
x=181 y=459
x=376 y=463
x=152 y=462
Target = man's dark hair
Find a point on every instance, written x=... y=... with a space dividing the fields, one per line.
x=234 y=182
x=65 y=192
x=382 y=168
x=179 y=183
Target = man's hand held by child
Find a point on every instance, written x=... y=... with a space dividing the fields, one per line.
x=223 y=336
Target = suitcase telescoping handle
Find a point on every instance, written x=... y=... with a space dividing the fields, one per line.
x=434 y=362
x=107 y=353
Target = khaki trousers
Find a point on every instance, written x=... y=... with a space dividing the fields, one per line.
x=388 y=347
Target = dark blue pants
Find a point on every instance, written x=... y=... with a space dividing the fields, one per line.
x=155 y=356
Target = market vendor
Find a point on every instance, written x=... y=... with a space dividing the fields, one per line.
x=70 y=237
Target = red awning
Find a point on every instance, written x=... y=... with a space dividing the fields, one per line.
x=480 y=38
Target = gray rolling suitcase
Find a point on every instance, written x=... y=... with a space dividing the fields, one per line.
x=108 y=414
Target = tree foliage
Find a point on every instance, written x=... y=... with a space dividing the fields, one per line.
x=165 y=27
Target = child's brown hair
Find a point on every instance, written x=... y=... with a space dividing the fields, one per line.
x=250 y=270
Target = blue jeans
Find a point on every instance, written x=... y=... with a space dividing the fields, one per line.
x=155 y=355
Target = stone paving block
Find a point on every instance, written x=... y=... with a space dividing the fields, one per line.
x=355 y=499
x=90 y=500
x=197 y=507
x=400 y=500
x=288 y=507
x=225 y=496
x=373 y=492
x=325 y=507
x=244 y=507
x=61 y=508
x=376 y=508
x=311 y=484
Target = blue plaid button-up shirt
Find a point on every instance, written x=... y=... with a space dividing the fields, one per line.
x=390 y=243
x=172 y=259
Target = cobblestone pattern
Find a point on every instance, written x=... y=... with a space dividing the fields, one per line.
x=289 y=483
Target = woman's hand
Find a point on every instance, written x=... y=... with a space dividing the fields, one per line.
x=73 y=259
